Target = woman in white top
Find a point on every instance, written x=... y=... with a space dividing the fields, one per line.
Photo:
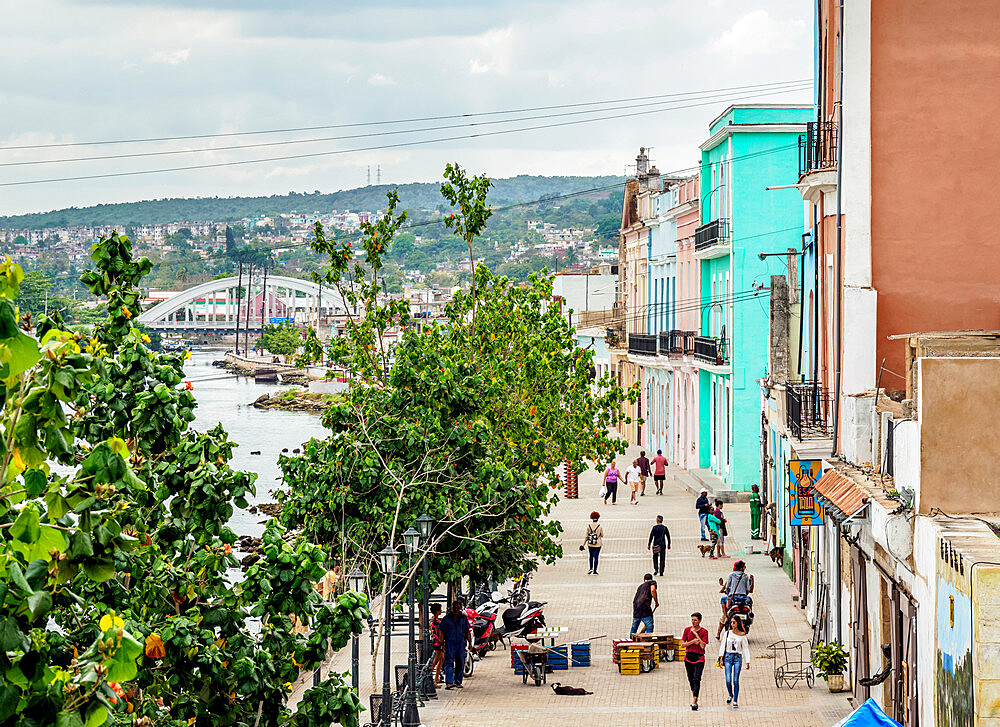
x=734 y=651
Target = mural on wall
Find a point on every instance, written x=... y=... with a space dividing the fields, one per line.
x=954 y=705
x=803 y=510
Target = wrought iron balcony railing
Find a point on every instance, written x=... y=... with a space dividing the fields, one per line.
x=818 y=147
x=711 y=350
x=807 y=409
x=642 y=343
x=714 y=233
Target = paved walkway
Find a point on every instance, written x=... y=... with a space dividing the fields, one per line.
x=601 y=605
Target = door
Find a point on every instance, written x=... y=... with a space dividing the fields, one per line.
x=859 y=623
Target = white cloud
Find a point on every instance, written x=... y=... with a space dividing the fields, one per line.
x=377 y=79
x=169 y=57
x=757 y=33
x=493 y=51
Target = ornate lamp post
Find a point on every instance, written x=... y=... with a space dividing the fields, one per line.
x=411 y=717
x=425 y=524
x=356 y=582
x=387 y=564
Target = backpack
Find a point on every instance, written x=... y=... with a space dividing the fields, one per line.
x=592 y=536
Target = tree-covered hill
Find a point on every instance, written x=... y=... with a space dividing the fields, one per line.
x=414 y=196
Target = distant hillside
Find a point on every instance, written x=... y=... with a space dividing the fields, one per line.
x=414 y=196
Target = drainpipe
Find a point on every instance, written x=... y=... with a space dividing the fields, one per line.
x=840 y=231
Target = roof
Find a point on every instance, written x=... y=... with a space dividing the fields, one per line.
x=845 y=491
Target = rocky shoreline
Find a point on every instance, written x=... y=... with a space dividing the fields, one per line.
x=296 y=400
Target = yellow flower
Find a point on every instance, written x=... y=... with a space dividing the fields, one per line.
x=145 y=338
x=109 y=621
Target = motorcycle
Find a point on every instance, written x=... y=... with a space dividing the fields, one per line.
x=521 y=620
x=742 y=607
x=484 y=636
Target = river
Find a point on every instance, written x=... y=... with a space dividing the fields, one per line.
x=226 y=398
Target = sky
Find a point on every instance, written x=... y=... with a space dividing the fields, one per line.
x=82 y=71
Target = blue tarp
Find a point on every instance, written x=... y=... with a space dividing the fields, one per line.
x=868 y=714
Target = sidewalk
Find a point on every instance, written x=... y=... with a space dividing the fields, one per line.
x=601 y=605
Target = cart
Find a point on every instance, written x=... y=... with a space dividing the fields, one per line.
x=791 y=663
x=534 y=664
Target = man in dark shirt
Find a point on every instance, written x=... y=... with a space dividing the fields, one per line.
x=457 y=632
x=659 y=543
x=703 y=508
x=643 y=604
x=643 y=464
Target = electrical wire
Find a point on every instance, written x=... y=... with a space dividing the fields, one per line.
x=394 y=132
x=397 y=145
x=529 y=109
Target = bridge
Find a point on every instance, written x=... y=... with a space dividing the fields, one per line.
x=213 y=306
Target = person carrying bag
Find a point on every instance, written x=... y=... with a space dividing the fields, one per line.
x=593 y=539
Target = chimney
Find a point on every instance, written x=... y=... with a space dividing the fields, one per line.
x=778 y=353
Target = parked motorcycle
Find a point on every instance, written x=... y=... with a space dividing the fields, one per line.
x=742 y=607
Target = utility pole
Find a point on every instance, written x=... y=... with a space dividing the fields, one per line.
x=246 y=333
x=239 y=300
x=378 y=174
x=263 y=297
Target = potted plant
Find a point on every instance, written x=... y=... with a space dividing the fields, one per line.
x=830 y=660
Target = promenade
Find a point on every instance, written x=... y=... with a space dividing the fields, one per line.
x=601 y=605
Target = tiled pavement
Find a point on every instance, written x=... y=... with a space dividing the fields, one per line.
x=601 y=606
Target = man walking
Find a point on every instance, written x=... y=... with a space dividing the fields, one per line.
x=659 y=471
x=632 y=477
x=659 y=543
x=643 y=603
x=457 y=633
x=643 y=464
x=703 y=508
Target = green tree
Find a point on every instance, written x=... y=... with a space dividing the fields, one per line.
x=282 y=339
x=468 y=421
x=34 y=291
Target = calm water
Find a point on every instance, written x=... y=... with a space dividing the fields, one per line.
x=225 y=398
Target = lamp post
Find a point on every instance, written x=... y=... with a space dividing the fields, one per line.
x=387 y=564
x=425 y=524
x=356 y=582
x=411 y=717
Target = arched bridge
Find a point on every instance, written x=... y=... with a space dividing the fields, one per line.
x=213 y=306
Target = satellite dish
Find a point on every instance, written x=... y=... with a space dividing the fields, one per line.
x=899 y=536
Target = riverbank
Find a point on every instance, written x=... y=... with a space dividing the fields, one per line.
x=296 y=400
x=262 y=365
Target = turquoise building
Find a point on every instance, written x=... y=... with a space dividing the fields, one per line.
x=749 y=148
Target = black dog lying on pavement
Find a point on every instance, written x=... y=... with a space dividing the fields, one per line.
x=569 y=691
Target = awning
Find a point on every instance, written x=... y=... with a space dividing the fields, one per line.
x=868 y=714
x=839 y=494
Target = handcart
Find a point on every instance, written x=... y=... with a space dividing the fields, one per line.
x=534 y=663
x=791 y=663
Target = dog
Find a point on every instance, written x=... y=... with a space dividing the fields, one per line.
x=569 y=691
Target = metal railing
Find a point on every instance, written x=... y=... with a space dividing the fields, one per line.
x=711 y=350
x=807 y=409
x=687 y=342
x=714 y=233
x=818 y=147
x=642 y=343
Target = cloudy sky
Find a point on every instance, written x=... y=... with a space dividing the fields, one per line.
x=76 y=71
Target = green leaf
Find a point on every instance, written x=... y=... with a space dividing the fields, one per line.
x=69 y=719
x=17 y=575
x=11 y=637
x=10 y=695
x=26 y=527
x=35 y=483
x=96 y=715
x=99 y=571
x=80 y=544
x=39 y=604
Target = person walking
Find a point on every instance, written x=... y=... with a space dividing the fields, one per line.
x=593 y=539
x=755 y=512
x=643 y=603
x=643 y=463
x=723 y=532
x=610 y=489
x=694 y=641
x=659 y=543
x=659 y=471
x=704 y=508
x=714 y=530
x=632 y=477
x=438 y=642
x=734 y=652
x=457 y=633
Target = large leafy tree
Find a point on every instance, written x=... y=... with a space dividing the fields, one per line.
x=129 y=560
x=469 y=419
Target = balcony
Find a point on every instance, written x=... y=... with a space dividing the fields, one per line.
x=818 y=147
x=642 y=343
x=712 y=351
x=807 y=410
x=712 y=240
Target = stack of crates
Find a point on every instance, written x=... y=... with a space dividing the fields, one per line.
x=580 y=655
x=630 y=660
x=616 y=645
x=514 y=661
x=558 y=658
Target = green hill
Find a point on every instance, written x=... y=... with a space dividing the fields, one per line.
x=415 y=196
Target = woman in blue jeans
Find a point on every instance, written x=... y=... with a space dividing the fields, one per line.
x=734 y=651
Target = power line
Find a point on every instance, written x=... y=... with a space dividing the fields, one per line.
x=397 y=145
x=529 y=109
x=394 y=132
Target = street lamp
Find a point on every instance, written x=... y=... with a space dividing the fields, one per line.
x=425 y=524
x=387 y=564
x=411 y=717
x=356 y=582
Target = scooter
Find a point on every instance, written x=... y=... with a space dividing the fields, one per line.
x=742 y=607
x=521 y=620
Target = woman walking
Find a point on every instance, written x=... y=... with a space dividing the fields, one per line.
x=734 y=653
x=593 y=540
x=611 y=477
x=694 y=641
x=438 y=642
x=755 y=513
x=720 y=550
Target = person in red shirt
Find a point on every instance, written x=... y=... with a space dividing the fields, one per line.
x=659 y=471
x=694 y=640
